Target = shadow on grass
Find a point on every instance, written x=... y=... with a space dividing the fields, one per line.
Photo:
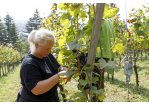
x=132 y=87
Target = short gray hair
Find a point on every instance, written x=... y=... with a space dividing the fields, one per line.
x=41 y=36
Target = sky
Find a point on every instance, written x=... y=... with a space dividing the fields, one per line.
x=24 y=9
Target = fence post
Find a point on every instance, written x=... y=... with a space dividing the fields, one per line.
x=0 y=71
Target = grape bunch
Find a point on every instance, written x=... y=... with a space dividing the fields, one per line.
x=83 y=61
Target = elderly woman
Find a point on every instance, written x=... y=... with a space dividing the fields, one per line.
x=39 y=70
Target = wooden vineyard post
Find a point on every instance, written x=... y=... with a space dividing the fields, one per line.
x=94 y=38
x=95 y=34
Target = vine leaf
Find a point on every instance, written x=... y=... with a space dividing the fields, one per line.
x=101 y=95
x=74 y=45
x=79 y=94
x=69 y=72
x=64 y=22
x=88 y=31
x=95 y=79
x=76 y=75
x=66 y=58
x=71 y=45
x=83 y=15
x=91 y=12
x=109 y=69
x=62 y=6
x=108 y=12
x=111 y=63
x=62 y=40
x=111 y=66
x=82 y=82
x=94 y=89
x=79 y=34
x=119 y=48
x=74 y=10
x=102 y=63
x=79 y=44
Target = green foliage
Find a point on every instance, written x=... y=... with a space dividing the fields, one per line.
x=138 y=32
x=6 y=55
x=109 y=12
x=74 y=45
x=64 y=22
x=109 y=67
x=95 y=79
x=70 y=72
x=102 y=63
x=135 y=38
x=82 y=82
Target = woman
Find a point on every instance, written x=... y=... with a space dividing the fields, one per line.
x=39 y=70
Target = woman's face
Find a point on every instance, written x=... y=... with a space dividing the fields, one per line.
x=44 y=50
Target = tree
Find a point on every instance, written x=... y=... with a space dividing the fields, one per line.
x=8 y=21
x=13 y=34
x=2 y=31
x=29 y=25
x=11 y=30
x=34 y=22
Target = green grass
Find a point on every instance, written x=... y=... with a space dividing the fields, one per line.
x=117 y=90
x=10 y=85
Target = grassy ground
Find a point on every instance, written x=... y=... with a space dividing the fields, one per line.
x=115 y=91
x=10 y=85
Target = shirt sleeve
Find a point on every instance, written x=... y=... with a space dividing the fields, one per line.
x=31 y=76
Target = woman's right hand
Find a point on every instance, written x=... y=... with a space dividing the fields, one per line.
x=62 y=73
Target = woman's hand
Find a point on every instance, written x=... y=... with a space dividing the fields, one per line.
x=62 y=73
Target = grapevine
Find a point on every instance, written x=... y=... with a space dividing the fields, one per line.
x=73 y=33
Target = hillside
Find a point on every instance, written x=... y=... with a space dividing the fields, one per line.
x=21 y=25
